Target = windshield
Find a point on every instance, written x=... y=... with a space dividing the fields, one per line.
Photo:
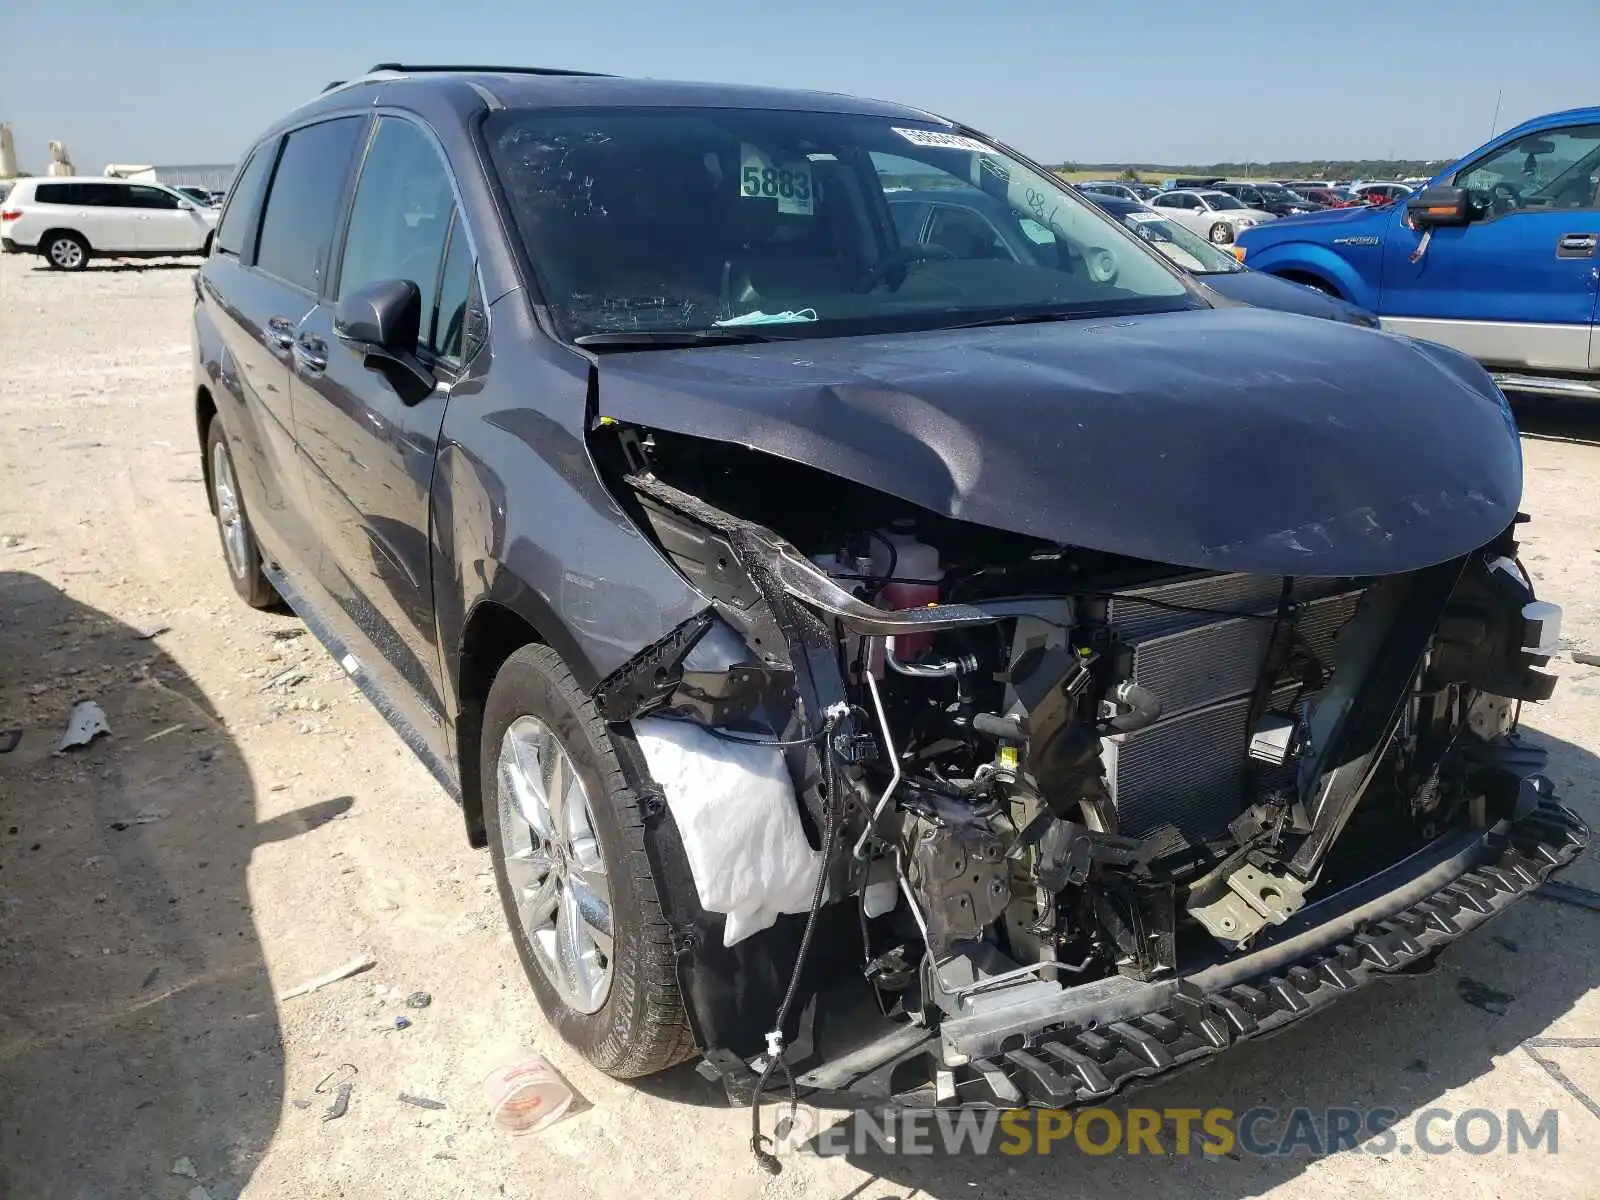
x=1220 y=200
x=1182 y=247
x=683 y=220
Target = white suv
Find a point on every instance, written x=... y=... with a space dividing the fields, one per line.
x=69 y=221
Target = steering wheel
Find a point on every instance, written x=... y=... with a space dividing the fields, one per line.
x=891 y=269
x=1504 y=197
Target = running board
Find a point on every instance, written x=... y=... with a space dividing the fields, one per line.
x=1548 y=385
x=362 y=678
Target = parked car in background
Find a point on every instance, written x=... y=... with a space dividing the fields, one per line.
x=1496 y=257
x=1216 y=215
x=68 y=221
x=200 y=195
x=1329 y=197
x=1378 y=194
x=1222 y=272
x=1107 y=187
x=1268 y=197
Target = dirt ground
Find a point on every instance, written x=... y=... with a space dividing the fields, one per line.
x=251 y=823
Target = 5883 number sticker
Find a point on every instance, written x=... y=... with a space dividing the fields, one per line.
x=790 y=183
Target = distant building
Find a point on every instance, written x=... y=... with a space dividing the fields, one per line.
x=214 y=177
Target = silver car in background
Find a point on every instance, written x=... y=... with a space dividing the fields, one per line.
x=1214 y=215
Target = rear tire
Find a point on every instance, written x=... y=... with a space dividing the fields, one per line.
x=240 y=552
x=65 y=252
x=630 y=1022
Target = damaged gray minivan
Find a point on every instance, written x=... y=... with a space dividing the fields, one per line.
x=871 y=660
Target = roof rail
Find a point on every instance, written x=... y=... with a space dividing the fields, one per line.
x=463 y=69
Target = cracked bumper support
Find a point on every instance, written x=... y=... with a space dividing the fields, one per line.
x=1186 y=1021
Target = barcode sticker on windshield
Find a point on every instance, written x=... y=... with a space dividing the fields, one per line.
x=1139 y=218
x=935 y=140
x=788 y=183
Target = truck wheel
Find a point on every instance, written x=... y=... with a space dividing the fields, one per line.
x=567 y=841
x=239 y=548
x=66 y=252
x=1222 y=233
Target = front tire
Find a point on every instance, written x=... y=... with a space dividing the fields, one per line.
x=66 y=252
x=239 y=548
x=567 y=840
x=1221 y=233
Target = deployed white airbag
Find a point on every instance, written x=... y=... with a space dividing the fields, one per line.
x=735 y=808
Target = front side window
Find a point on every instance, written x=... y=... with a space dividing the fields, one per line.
x=455 y=292
x=1558 y=169
x=244 y=200
x=687 y=219
x=303 y=204
x=1219 y=200
x=962 y=233
x=401 y=215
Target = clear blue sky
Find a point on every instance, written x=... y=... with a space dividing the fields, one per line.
x=1095 y=80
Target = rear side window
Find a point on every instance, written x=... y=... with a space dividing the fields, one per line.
x=54 y=193
x=303 y=204
x=244 y=200
x=139 y=196
x=401 y=215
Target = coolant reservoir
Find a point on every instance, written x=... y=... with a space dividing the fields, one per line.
x=914 y=560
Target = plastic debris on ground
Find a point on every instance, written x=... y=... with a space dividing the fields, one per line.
x=85 y=722
x=354 y=967
x=735 y=808
x=185 y=1168
x=422 y=1102
x=527 y=1095
x=148 y=815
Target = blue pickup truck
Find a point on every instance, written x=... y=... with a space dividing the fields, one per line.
x=1495 y=257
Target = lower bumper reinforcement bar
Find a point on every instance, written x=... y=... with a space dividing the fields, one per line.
x=1206 y=1012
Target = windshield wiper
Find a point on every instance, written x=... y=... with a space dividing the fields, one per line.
x=626 y=339
x=1027 y=319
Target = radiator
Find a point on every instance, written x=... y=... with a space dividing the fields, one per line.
x=1188 y=772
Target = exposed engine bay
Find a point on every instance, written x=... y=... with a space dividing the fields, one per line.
x=1038 y=777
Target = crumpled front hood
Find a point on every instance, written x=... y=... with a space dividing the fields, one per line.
x=1230 y=439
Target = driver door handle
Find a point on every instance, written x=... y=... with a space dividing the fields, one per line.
x=1576 y=245
x=311 y=352
x=280 y=333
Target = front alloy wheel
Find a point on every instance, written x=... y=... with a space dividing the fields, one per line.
x=566 y=832
x=553 y=864
x=1221 y=233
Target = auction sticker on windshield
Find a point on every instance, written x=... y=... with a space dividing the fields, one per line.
x=787 y=183
x=933 y=139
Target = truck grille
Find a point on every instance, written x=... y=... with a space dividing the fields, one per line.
x=1189 y=770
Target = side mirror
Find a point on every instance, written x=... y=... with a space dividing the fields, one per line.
x=384 y=316
x=383 y=322
x=1439 y=207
